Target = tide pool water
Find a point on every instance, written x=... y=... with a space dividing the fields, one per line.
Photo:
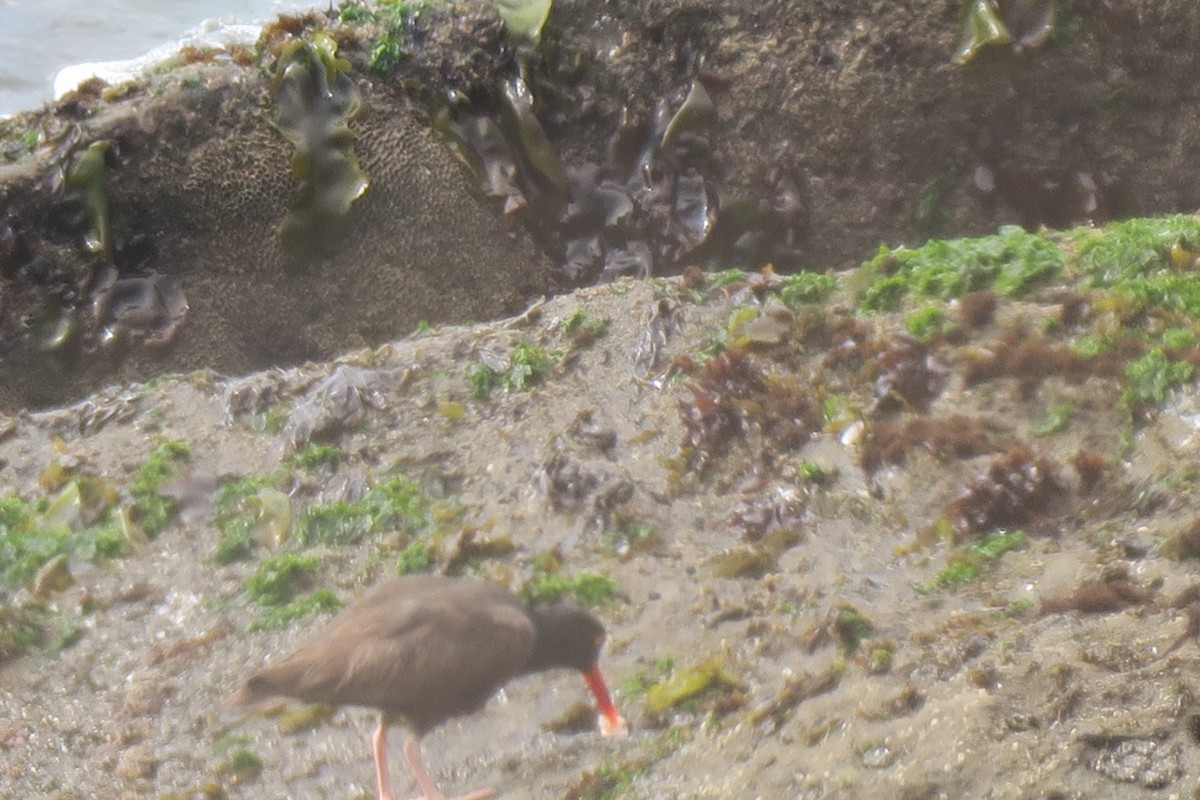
x=40 y=38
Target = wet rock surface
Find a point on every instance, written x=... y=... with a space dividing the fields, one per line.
x=640 y=139
x=846 y=660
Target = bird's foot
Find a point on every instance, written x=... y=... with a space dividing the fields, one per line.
x=478 y=794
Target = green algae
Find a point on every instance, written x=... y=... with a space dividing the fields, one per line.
x=35 y=533
x=481 y=380
x=1153 y=375
x=21 y=628
x=588 y=588
x=395 y=17
x=415 y=559
x=279 y=578
x=694 y=119
x=154 y=510
x=394 y=505
x=250 y=512
x=925 y=323
x=314 y=457
x=1057 y=420
x=973 y=559
x=1012 y=263
x=688 y=683
x=527 y=366
x=524 y=19
x=316 y=100
x=279 y=586
x=1149 y=261
x=87 y=186
x=318 y=601
x=805 y=287
x=982 y=28
x=851 y=628
x=24 y=544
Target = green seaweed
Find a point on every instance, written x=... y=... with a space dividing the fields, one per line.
x=1057 y=419
x=690 y=682
x=155 y=510
x=250 y=511
x=1153 y=375
x=316 y=456
x=1133 y=248
x=395 y=504
x=587 y=588
x=1137 y=260
x=418 y=557
x=694 y=119
x=973 y=559
x=925 y=323
x=21 y=627
x=386 y=54
x=316 y=100
x=33 y=534
x=279 y=578
x=17 y=140
x=524 y=19
x=805 y=287
x=355 y=13
x=981 y=28
x=529 y=366
x=243 y=765
x=387 y=50
x=726 y=277
x=481 y=379
x=851 y=628
x=884 y=294
x=26 y=543
x=522 y=127
x=315 y=602
x=87 y=185
x=1012 y=262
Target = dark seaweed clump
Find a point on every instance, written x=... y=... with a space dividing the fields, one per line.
x=956 y=436
x=114 y=300
x=651 y=204
x=908 y=375
x=1016 y=488
x=732 y=398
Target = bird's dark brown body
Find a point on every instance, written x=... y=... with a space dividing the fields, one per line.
x=429 y=648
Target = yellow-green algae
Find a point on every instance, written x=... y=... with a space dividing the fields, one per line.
x=316 y=100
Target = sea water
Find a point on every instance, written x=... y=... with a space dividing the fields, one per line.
x=40 y=38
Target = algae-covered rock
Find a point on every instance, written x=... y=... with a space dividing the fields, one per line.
x=199 y=178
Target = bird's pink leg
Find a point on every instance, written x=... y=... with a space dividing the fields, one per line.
x=381 y=768
x=412 y=753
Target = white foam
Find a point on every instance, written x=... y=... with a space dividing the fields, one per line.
x=210 y=34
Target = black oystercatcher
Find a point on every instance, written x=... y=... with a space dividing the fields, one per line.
x=429 y=648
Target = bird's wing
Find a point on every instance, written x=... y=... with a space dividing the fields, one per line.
x=439 y=669
x=413 y=652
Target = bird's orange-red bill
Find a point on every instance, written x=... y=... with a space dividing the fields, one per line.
x=611 y=723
